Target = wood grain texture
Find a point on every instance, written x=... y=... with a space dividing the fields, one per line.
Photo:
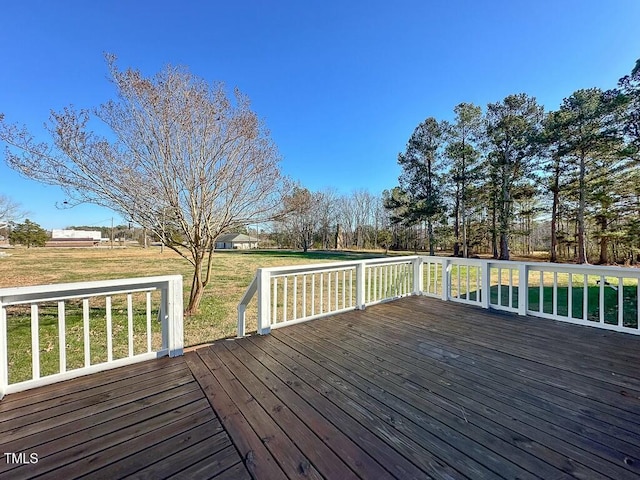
x=148 y=420
x=415 y=388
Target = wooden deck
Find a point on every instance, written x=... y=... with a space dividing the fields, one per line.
x=415 y=388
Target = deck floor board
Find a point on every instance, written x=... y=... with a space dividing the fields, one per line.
x=146 y=420
x=492 y=409
x=450 y=414
x=414 y=388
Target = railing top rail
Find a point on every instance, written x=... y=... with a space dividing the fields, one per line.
x=61 y=291
x=458 y=260
x=325 y=269
x=292 y=269
x=613 y=271
x=250 y=292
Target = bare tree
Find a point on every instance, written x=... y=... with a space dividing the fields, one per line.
x=327 y=217
x=347 y=220
x=9 y=210
x=183 y=160
x=300 y=216
x=362 y=202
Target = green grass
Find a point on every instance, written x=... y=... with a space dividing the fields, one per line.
x=610 y=310
x=19 y=339
x=610 y=306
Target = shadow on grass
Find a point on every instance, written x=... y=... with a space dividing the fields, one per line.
x=310 y=255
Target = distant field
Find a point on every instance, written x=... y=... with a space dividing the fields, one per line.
x=232 y=273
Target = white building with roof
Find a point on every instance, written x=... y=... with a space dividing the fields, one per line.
x=236 y=241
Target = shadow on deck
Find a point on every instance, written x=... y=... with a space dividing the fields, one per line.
x=415 y=388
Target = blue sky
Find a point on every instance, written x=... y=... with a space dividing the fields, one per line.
x=340 y=84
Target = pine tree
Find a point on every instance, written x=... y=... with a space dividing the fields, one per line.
x=464 y=154
x=421 y=178
x=513 y=127
x=29 y=234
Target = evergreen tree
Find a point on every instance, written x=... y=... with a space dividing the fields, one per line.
x=630 y=87
x=29 y=234
x=589 y=133
x=555 y=167
x=513 y=127
x=464 y=154
x=421 y=178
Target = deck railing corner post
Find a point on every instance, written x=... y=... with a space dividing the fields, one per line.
x=264 y=301
x=242 y=306
x=446 y=279
x=523 y=288
x=241 y=330
x=418 y=265
x=485 y=285
x=360 y=285
x=4 y=365
x=175 y=312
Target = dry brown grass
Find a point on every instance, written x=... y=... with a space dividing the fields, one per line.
x=232 y=273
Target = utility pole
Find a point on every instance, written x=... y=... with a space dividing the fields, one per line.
x=111 y=233
x=163 y=233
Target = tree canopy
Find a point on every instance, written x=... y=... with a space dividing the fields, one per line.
x=514 y=171
x=181 y=158
x=9 y=209
x=29 y=234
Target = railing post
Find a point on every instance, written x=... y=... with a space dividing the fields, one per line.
x=360 y=285
x=4 y=365
x=446 y=279
x=417 y=275
x=242 y=306
x=485 y=286
x=241 y=330
x=175 y=314
x=523 y=289
x=264 y=302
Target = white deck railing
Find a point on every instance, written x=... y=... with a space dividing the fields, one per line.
x=604 y=297
x=76 y=329
x=288 y=295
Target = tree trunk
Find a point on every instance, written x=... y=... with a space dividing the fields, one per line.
x=582 y=243
x=431 y=239
x=604 y=242
x=494 y=231
x=554 y=220
x=463 y=216
x=197 y=286
x=505 y=216
x=463 y=203
x=604 y=255
x=504 y=246
x=456 y=225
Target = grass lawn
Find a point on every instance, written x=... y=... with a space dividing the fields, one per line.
x=610 y=311
x=232 y=273
x=630 y=301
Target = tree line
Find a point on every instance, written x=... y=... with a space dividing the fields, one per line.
x=327 y=220
x=176 y=155
x=501 y=176
x=510 y=177
x=187 y=162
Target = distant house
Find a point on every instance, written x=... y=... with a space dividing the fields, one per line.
x=236 y=241
x=74 y=238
